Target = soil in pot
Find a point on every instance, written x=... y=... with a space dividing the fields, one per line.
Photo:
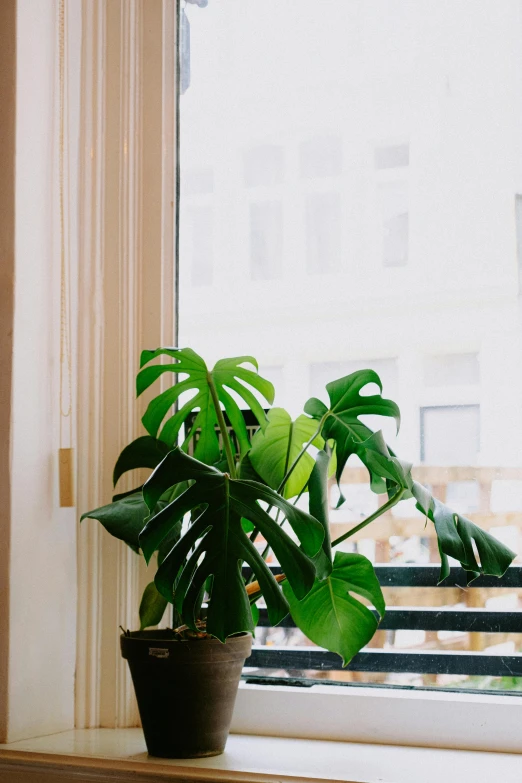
x=185 y=690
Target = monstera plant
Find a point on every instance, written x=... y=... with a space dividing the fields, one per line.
x=219 y=500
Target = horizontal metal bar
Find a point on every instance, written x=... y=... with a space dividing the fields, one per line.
x=434 y=619
x=259 y=677
x=428 y=576
x=317 y=659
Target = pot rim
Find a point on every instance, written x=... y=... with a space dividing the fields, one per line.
x=160 y=635
x=156 y=645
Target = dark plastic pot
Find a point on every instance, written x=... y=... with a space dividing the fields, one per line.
x=186 y=690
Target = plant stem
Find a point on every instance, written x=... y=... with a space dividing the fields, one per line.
x=266 y=550
x=301 y=454
x=223 y=428
x=295 y=502
x=254 y=587
x=382 y=510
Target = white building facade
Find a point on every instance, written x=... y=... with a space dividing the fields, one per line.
x=349 y=198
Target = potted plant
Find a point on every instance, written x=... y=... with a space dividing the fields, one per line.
x=201 y=514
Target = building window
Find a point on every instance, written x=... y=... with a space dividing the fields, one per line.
x=321 y=157
x=392 y=157
x=450 y=435
x=393 y=201
x=266 y=239
x=323 y=232
x=358 y=146
x=263 y=166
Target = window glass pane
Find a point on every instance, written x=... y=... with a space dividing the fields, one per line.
x=323 y=232
x=393 y=199
x=392 y=157
x=450 y=435
x=266 y=239
x=367 y=160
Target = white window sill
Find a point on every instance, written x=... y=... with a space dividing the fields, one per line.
x=421 y=718
x=119 y=754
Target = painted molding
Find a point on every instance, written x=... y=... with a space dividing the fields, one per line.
x=7 y=273
x=126 y=303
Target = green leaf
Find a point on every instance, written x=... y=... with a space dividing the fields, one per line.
x=121 y=495
x=169 y=541
x=227 y=375
x=387 y=472
x=255 y=614
x=123 y=519
x=456 y=535
x=216 y=544
x=144 y=452
x=331 y=616
x=246 y=469
x=318 y=507
x=341 y=421
x=275 y=449
x=152 y=607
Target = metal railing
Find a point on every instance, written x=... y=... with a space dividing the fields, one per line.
x=411 y=618
x=430 y=617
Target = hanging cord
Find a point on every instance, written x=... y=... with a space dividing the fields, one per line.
x=65 y=394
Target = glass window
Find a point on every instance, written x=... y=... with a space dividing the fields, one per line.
x=450 y=435
x=393 y=199
x=323 y=232
x=392 y=157
x=266 y=239
x=391 y=145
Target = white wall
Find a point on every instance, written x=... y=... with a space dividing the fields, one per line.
x=43 y=536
